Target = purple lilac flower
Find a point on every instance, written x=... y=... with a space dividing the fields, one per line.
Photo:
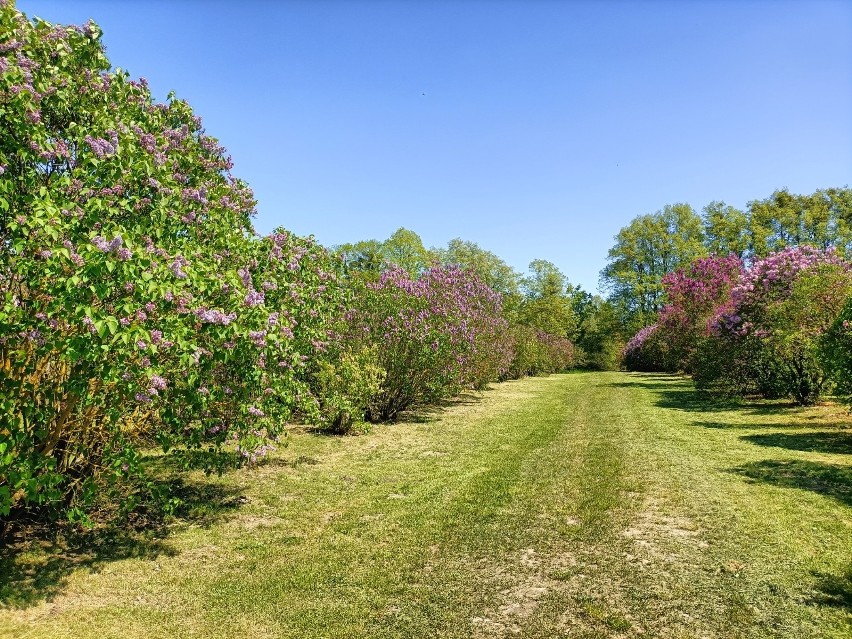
x=177 y=268
x=214 y=316
x=89 y=324
x=254 y=298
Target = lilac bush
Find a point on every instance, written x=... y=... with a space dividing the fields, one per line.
x=137 y=302
x=645 y=351
x=771 y=327
x=767 y=282
x=693 y=294
x=433 y=336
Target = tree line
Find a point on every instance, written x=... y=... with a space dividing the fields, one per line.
x=747 y=302
x=655 y=244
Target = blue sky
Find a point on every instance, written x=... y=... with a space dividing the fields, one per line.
x=536 y=129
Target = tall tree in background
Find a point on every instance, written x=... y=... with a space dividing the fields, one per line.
x=366 y=256
x=548 y=302
x=404 y=249
x=822 y=220
x=490 y=268
x=726 y=230
x=645 y=250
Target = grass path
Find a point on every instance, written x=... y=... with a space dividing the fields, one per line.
x=582 y=505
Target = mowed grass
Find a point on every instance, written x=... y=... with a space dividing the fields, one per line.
x=581 y=505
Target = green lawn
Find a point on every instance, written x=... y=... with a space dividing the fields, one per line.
x=582 y=505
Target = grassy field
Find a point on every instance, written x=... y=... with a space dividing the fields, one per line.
x=582 y=505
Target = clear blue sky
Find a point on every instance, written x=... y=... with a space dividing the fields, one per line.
x=544 y=128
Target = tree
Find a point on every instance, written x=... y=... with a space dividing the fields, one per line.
x=822 y=220
x=403 y=249
x=547 y=304
x=726 y=230
x=544 y=280
x=491 y=269
x=366 y=256
x=645 y=250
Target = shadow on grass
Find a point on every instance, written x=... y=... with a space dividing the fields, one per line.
x=838 y=443
x=791 y=425
x=678 y=393
x=834 y=590
x=427 y=413
x=831 y=480
x=36 y=557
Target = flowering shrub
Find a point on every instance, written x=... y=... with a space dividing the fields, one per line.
x=434 y=336
x=693 y=293
x=835 y=350
x=535 y=352
x=763 y=285
x=136 y=301
x=775 y=318
x=645 y=351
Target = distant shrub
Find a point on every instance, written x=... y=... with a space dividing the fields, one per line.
x=433 y=336
x=535 y=352
x=646 y=351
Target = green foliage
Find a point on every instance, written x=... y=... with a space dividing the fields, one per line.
x=403 y=249
x=835 y=351
x=366 y=256
x=821 y=220
x=544 y=280
x=726 y=230
x=344 y=383
x=645 y=250
x=599 y=333
x=137 y=303
x=535 y=352
x=735 y=368
x=553 y=314
x=799 y=323
x=548 y=304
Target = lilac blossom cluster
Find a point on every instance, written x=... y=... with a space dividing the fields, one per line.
x=767 y=280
